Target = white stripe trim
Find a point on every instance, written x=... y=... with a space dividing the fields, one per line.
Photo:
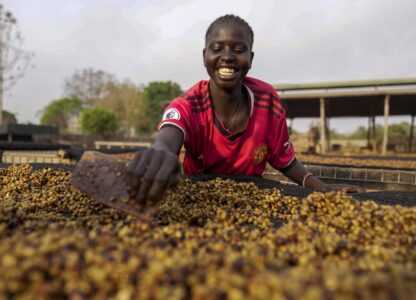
x=251 y=94
x=165 y=123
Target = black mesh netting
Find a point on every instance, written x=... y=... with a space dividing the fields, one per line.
x=381 y=197
x=39 y=166
x=358 y=167
x=76 y=153
x=31 y=146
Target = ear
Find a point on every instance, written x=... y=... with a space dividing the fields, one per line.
x=203 y=56
x=251 y=58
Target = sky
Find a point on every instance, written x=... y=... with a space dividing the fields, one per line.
x=153 y=40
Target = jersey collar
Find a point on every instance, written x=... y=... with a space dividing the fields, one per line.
x=251 y=102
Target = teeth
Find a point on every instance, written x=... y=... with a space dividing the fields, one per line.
x=226 y=71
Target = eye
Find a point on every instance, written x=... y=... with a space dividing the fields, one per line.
x=216 y=49
x=240 y=50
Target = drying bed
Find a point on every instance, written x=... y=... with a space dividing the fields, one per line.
x=212 y=238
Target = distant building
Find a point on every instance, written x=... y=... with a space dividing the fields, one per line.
x=29 y=133
x=74 y=125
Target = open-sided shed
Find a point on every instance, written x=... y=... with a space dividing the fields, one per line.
x=369 y=98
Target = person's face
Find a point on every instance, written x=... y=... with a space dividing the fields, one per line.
x=227 y=56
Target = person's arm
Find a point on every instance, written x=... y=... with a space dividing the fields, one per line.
x=156 y=168
x=299 y=174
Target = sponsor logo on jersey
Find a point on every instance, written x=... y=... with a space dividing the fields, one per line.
x=260 y=153
x=171 y=114
x=287 y=146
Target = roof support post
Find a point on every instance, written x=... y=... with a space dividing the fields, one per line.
x=373 y=133
x=386 y=124
x=412 y=125
x=2 y=76
x=327 y=134
x=323 y=125
x=291 y=125
x=369 y=132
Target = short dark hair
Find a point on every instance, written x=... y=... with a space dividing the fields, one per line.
x=233 y=19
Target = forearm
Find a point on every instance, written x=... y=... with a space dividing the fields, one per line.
x=156 y=168
x=169 y=138
x=297 y=174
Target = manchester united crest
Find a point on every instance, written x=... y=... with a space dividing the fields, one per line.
x=260 y=153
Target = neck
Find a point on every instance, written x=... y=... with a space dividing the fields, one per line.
x=225 y=102
x=230 y=107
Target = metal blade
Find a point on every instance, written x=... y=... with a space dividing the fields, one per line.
x=103 y=177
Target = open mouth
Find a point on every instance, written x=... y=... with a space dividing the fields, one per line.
x=227 y=73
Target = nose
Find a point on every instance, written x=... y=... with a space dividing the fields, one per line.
x=227 y=55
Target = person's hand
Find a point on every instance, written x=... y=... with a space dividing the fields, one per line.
x=151 y=173
x=344 y=188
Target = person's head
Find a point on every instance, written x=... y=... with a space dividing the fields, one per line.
x=228 y=51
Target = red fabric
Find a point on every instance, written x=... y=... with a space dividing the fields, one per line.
x=211 y=148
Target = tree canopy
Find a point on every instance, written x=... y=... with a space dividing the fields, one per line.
x=136 y=109
x=125 y=100
x=98 y=121
x=395 y=130
x=8 y=117
x=88 y=85
x=155 y=95
x=59 y=112
x=14 y=61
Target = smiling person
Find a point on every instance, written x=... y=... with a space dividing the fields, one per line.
x=230 y=124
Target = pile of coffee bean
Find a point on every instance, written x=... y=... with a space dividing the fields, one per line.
x=217 y=239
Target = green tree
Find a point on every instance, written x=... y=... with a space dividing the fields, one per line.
x=359 y=133
x=334 y=134
x=98 y=121
x=395 y=130
x=125 y=100
x=399 y=130
x=59 y=112
x=8 y=117
x=155 y=96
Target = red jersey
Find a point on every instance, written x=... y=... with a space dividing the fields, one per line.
x=212 y=148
